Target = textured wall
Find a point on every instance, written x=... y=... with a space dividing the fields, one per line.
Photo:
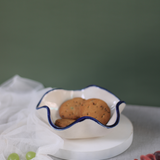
x=72 y=44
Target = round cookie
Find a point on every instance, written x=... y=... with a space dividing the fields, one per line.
x=63 y=122
x=70 y=108
x=97 y=109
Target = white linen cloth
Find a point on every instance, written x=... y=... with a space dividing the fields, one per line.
x=20 y=128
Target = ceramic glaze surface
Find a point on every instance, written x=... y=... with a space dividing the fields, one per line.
x=84 y=127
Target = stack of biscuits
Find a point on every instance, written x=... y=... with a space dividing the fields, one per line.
x=78 y=107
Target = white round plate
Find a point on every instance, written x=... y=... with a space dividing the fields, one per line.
x=116 y=141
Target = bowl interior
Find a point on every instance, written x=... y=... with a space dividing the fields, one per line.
x=55 y=97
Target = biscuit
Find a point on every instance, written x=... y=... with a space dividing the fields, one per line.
x=70 y=108
x=97 y=109
x=63 y=122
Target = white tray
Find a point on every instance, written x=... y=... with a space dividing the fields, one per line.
x=114 y=143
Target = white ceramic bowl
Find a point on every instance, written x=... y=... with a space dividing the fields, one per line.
x=84 y=127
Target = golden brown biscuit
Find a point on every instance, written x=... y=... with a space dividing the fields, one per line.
x=70 y=108
x=63 y=122
x=97 y=109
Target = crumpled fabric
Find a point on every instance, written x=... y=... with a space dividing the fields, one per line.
x=21 y=130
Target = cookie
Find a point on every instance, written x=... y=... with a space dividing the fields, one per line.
x=97 y=109
x=63 y=122
x=70 y=108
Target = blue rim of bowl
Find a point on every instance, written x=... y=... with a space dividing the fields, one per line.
x=81 y=118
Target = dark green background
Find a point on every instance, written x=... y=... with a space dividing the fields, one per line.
x=74 y=43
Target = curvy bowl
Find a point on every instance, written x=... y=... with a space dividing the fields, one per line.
x=84 y=127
